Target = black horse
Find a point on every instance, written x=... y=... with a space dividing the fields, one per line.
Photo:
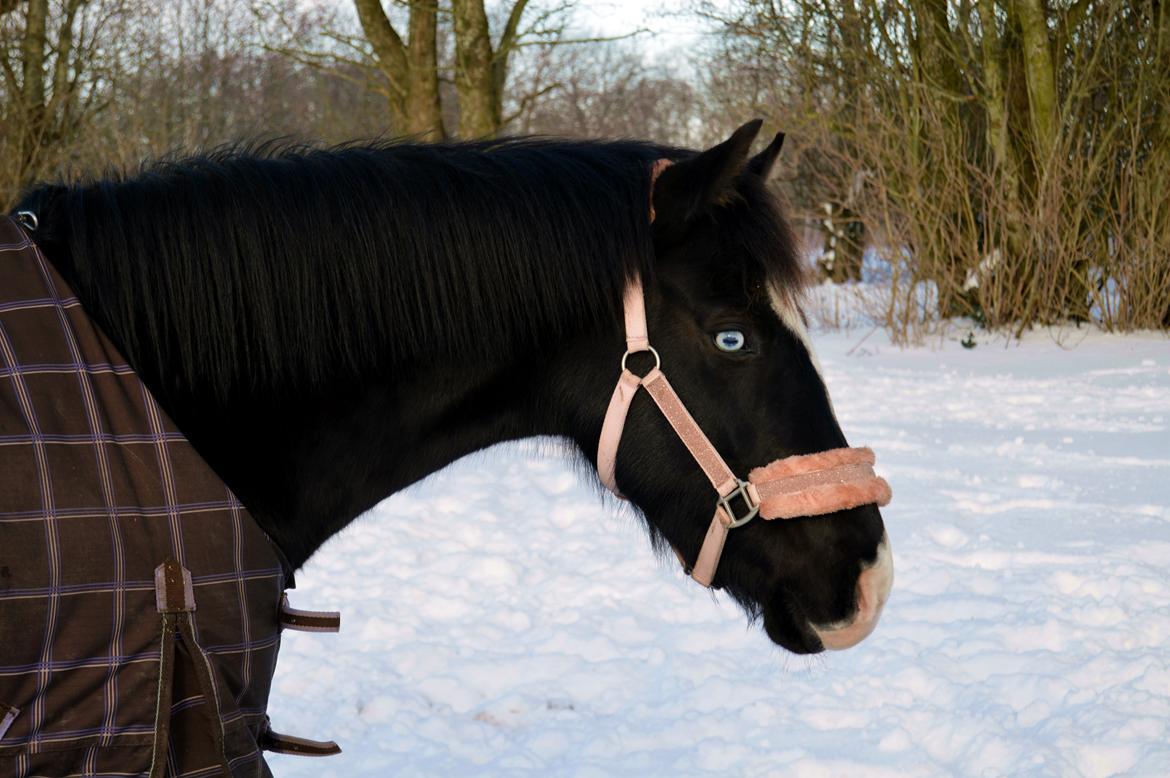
x=330 y=326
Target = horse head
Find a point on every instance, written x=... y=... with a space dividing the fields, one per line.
x=721 y=307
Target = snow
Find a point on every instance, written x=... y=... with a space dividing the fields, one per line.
x=506 y=618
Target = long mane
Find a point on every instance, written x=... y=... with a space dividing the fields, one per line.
x=284 y=262
x=253 y=265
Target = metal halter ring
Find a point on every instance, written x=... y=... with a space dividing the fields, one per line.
x=28 y=220
x=657 y=359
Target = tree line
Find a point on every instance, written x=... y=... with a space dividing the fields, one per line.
x=998 y=159
x=92 y=84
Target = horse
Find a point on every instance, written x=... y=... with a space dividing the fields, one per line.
x=327 y=326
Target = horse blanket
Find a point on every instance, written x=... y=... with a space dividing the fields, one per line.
x=140 y=603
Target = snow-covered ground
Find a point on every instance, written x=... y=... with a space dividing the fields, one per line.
x=503 y=618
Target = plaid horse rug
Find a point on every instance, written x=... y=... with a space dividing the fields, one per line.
x=141 y=606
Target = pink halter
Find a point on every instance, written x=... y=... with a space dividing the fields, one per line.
x=808 y=485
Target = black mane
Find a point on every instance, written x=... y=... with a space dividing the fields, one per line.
x=292 y=263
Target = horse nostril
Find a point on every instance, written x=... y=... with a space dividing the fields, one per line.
x=873 y=589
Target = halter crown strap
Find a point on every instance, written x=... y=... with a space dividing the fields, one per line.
x=637 y=333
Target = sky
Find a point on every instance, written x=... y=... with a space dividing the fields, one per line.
x=669 y=28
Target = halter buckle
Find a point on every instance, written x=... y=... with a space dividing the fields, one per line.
x=743 y=494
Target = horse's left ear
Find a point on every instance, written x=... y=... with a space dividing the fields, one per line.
x=691 y=186
x=762 y=164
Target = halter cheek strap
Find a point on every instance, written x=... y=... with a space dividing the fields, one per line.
x=725 y=483
x=809 y=485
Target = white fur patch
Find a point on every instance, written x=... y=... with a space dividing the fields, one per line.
x=883 y=568
x=873 y=590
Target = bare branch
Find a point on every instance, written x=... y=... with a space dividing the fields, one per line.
x=328 y=63
x=577 y=41
x=527 y=100
x=387 y=44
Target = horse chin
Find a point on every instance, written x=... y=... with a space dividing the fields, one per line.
x=788 y=627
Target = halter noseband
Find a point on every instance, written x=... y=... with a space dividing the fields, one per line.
x=795 y=486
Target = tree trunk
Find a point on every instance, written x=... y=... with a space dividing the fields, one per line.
x=504 y=51
x=33 y=53
x=849 y=237
x=390 y=53
x=1040 y=76
x=994 y=96
x=479 y=105
x=844 y=244
x=411 y=70
x=32 y=89
x=424 y=114
x=998 y=139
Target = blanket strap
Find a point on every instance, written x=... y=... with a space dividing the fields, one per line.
x=175 y=600
x=305 y=621
x=308 y=621
x=298 y=746
x=8 y=715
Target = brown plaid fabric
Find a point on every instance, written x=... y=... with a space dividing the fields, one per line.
x=97 y=490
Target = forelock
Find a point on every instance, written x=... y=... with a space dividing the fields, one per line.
x=763 y=241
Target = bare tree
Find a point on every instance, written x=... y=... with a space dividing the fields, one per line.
x=53 y=81
x=479 y=63
x=411 y=66
x=153 y=77
x=608 y=90
x=1001 y=154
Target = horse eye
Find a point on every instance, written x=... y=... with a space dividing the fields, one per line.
x=729 y=340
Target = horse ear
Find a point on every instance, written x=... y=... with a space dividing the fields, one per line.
x=688 y=187
x=763 y=163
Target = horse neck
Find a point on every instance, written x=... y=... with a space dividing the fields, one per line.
x=308 y=459
x=306 y=464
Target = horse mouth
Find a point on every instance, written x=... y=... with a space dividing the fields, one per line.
x=787 y=625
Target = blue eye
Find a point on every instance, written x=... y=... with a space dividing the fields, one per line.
x=729 y=340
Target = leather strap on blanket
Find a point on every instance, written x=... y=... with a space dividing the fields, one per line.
x=298 y=746
x=308 y=621
x=8 y=715
x=175 y=600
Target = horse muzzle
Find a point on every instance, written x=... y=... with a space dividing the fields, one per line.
x=873 y=589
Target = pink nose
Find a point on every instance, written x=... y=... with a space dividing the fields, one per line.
x=873 y=589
